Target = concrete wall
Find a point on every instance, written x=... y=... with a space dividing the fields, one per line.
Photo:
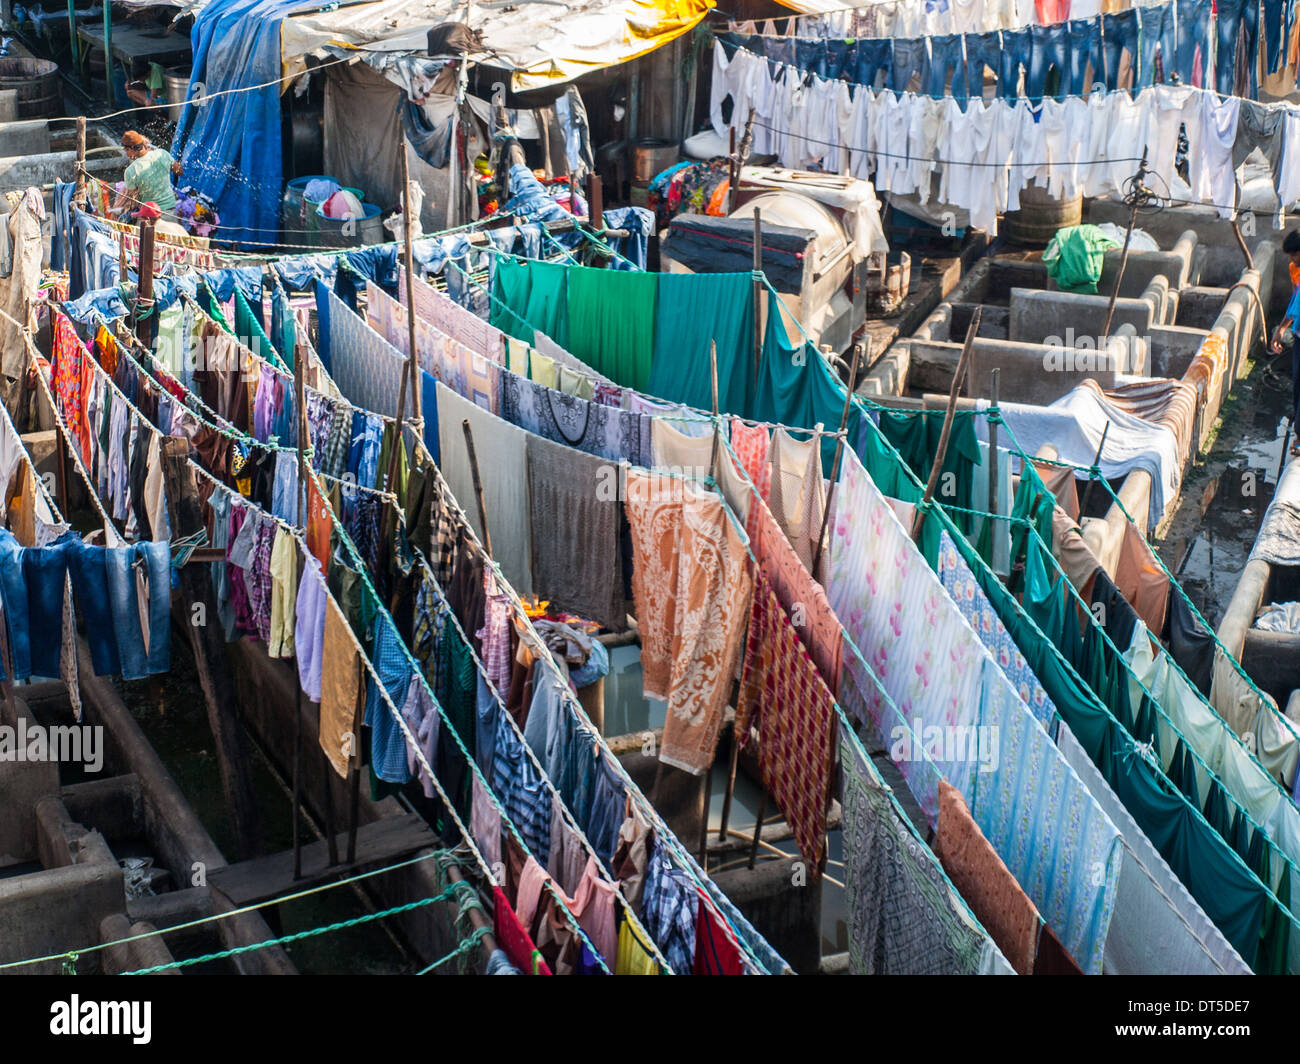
x=60 y=908
x=22 y=785
x=1037 y=315
x=1031 y=373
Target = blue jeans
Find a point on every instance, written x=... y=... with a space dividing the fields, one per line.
x=121 y=562
x=1048 y=48
x=1193 y=27
x=1273 y=34
x=1085 y=49
x=1236 y=18
x=45 y=570
x=13 y=593
x=839 y=60
x=872 y=57
x=810 y=55
x=982 y=50
x=88 y=567
x=1120 y=30
x=911 y=56
x=780 y=49
x=1159 y=30
x=945 y=56
x=1016 y=51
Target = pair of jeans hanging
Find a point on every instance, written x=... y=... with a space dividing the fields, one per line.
x=947 y=56
x=1017 y=51
x=872 y=56
x=911 y=56
x=1237 y=19
x=1085 y=50
x=1120 y=34
x=1193 y=31
x=153 y=561
x=983 y=50
x=1049 y=46
x=1158 y=30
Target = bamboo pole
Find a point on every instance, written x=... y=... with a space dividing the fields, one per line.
x=919 y=520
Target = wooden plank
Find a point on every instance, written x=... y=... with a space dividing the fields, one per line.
x=268 y=877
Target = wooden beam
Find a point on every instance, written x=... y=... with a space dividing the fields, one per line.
x=209 y=647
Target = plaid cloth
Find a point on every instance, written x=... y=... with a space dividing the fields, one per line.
x=783 y=697
x=670 y=910
x=430 y=620
x=332 y=456
x=522 y=791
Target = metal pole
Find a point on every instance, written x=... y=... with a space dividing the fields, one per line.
x=919 y=520
x=72 y=34
x=108 y=50
x=839 y=455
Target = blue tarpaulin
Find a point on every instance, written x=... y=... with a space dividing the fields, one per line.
x=232 y=142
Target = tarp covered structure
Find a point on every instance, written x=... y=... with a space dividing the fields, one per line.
x=232 y=142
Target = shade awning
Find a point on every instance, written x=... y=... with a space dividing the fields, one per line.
x=544 y=42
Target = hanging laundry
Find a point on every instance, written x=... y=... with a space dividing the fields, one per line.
x=501 y=450
x=577 y=561
x=905 y=917
x=691 y=584
x=985 y=882
x=784 y=700
x=340 y=690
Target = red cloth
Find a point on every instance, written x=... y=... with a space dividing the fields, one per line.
x=715 y=952
x=810 y=612
x=320 y=526
x=784 y=698
x=70 y=371
x=1050 y=11
x=514 y=940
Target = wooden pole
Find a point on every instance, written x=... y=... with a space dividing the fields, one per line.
x=596 y=202
x=733 y=172
x=478 y=486
x=144 y=290
x=209 y=647
x=993 y=451
x=79 y=194
x=300 y=408
x=412 y=357
x=758 y=831
x=1096 y=461
x=839 y=455
x=757 y=287
x=919 y=520
x=717 y=430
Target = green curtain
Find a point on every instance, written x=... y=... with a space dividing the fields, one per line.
x=250 y=331
x=916 y=435
x=796 y=387
x=612 y=321
x=694 y=309
x=528 y=295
